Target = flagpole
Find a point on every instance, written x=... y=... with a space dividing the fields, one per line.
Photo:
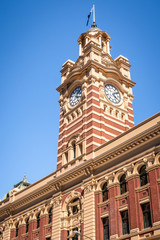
x=94 y=17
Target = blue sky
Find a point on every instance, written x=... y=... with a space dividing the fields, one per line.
x=36 y=38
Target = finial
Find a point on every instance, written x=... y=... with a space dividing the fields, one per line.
x=25 y=178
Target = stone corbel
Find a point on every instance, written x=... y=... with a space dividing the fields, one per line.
x=111 y=180
x=33 y=216
x=151 y=160
x=131 y=172
x=57 y=202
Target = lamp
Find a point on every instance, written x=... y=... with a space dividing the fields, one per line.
x=78 y=233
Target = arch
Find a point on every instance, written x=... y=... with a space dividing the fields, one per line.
x=70 y=197
x=123 y=184
x=27 y=224
x=17 y=228
x=50 y=215
x=72 y=139
x=105 y=192
x=38 y=219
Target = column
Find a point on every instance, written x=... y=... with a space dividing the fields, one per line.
x=98 y=223
x=133 y=204
x=153 y=175
x=7 y=234
x=108 y=49
x=80 y=48
x=113 y=223
x=32 y=225
x=43 y=222
x=22 y=227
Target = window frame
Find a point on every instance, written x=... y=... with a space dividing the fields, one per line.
x=105 y=225
x=125 y=220
x=123 y=184
x=50 y=215
x=105 y=191
x=38 y=220
x=17 y=229
x=148 y=212
x=27 y=225
x=143 y=176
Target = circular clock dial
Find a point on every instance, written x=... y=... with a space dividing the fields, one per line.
x=112 y=93
x=75 y=96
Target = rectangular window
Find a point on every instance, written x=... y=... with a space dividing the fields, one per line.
x=125 y=224
x=106 y=228
x=146 y=215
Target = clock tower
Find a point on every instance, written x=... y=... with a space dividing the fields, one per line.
x=95 y=99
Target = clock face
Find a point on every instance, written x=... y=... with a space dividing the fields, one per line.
x=75 y=96
x=112 y=93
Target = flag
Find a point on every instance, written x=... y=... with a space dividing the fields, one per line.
x=89 y=16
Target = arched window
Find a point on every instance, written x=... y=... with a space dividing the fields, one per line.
x=74 y=150
x=50 y=215
x=74 y=207
x=105 y=192
x=143 y=175
x=17 y=228
x=123 y=184
x=27 y=224
x=38 y=220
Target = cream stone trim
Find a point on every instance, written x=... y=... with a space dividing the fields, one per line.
x=155 y=224
x=102 y=204
x=102 y=115
x=106 y=214
x=135 y=230
x=92 y=91
x=123 y=208
x=97 y=136
x=145 y=187
x=144 y=200
x=93 y=98
x=86 y=130
x=114 y=237
x=24 y=235
x=46 y=186
x=35 y=230
x=120 y=197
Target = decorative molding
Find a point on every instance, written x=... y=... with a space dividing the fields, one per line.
x=141 y=189
x=120 y=197
x=123 y=208
x=144 y=200
x=102 y=204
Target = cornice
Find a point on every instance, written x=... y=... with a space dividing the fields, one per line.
x=110 y=67
x=85 y=169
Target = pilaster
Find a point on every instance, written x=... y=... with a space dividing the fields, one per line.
x=89 y=211
x=56 y=219
x=153 y=174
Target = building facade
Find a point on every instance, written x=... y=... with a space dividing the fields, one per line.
x=107 y=182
